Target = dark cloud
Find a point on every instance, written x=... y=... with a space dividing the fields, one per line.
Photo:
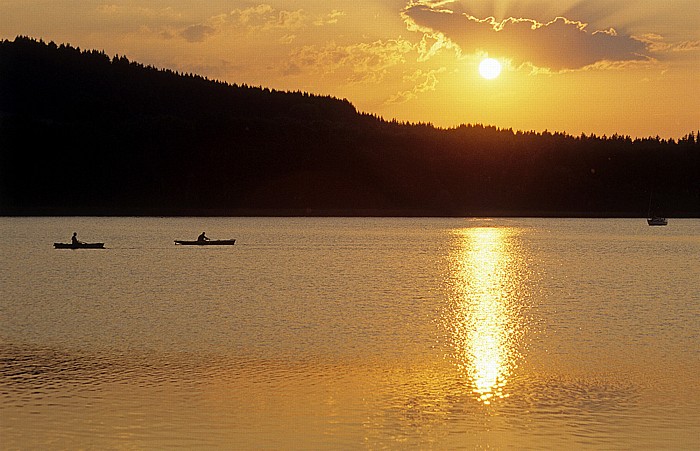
x=559 y=45
x=196 y=33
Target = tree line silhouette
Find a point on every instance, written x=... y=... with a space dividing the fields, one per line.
x=82 y=133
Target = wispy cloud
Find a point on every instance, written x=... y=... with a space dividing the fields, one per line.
x=330 y=18
x=362 y=62
x=422 y=81
x=259 y=18
x=265 y=17
x=657 y=43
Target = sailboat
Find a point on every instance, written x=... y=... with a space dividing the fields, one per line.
x=655 y=220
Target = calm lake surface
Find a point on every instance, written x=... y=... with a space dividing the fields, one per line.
x=350 y=333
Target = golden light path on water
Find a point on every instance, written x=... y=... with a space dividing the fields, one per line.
x=485 y=321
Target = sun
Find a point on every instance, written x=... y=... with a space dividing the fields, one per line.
x=490 y=68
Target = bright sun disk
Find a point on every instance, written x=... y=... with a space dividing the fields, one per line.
x=489 y=68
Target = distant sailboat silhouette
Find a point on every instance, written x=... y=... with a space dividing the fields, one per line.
x=655 y=220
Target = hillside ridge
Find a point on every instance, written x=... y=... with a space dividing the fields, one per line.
x=85 y=134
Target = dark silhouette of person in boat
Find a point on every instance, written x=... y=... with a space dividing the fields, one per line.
x=74 y=239
x=202 y=237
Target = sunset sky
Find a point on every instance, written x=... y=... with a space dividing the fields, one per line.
x=630 y=67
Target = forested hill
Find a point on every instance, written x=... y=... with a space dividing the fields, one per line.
x=82 y=133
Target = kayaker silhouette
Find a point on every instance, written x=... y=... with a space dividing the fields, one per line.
x=74 y=239
x=202 y=237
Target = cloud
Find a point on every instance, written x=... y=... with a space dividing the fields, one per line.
x=559 y=45
x=253 y=14
x=362 y=62
x=657 y=43
x=330 y=18
x=265 y=17
x=426 y=81
x=258 y=18
x=287 y=39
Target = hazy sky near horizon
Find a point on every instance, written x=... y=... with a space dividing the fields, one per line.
x=578 y=66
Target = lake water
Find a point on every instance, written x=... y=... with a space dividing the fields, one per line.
x=350 y=333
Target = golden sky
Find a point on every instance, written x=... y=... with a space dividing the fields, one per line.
x=630 y=67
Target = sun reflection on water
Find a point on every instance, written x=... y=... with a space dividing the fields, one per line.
x=485 y=321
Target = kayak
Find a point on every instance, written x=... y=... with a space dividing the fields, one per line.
x=206 y=242
x=79 y=246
